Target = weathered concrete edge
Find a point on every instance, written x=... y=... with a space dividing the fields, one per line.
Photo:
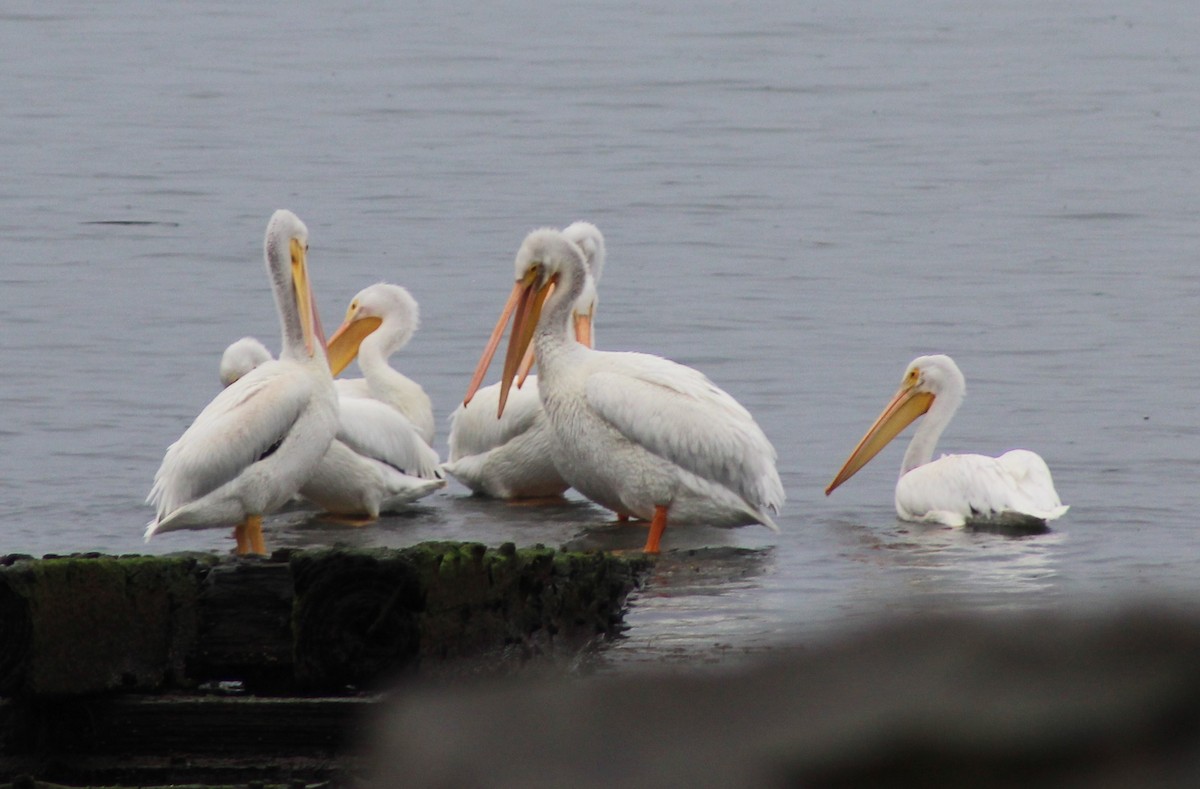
x=95 y=623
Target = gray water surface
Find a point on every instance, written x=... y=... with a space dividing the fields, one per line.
x=798 y=198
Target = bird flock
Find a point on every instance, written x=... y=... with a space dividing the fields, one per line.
x=647 y=438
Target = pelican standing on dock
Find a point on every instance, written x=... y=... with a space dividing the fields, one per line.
x=635 y=433
x=380 y=320
x=511 y=457
x=259 y=439
x=954 y=489
x=376 y=463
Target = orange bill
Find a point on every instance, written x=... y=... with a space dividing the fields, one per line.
x=528 y=359
x=302 y=289
x=526 y=365
x=529 y=311
x=343 y=344
x=493 y=342
x=583 y=329
x=903 y=409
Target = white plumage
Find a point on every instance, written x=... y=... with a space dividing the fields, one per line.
x=376 y=463
x=635 y=433
x=241 y=357
x=954 y=489
x=380 y=320
x=512 y=457
x=507 y=458
x=259 y=439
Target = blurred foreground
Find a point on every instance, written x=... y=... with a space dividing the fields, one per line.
x=1031 y=700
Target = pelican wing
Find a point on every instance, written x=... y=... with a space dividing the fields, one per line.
x=955 y=489
x=1030 y=474
x=401 y=393
x=474 y=429
x=677 y=413
x=244 y=422
x=380 y=432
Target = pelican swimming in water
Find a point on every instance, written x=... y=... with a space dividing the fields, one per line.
x=259 y=439
x=380 y=320
x=954 y=489
x=511 y=457
x=635 y=433
x=376 y=463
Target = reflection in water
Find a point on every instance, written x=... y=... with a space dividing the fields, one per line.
x=447 y=516
x=941 y=565
x=696 y=608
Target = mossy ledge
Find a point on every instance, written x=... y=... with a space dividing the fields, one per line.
x=192 y=668
x=327 y=620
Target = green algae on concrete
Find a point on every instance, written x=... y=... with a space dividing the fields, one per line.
x=361 y=617
x=528 y=600
x=327 y=619
x=94 y=623
x=354 y=616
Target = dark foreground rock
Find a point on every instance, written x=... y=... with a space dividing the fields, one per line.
x=139 y=670
x=1035 y=701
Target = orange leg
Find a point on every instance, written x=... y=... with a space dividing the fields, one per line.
x=657 y=526
x=243 y=541
x=249 y=537
x=254 y=528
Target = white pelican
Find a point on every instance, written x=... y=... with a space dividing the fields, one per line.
x=376 y=463
x=635 y=433
x=381 y=320
x=257 y=442
x=954 y=489
x=241 y=357
x=511 y=457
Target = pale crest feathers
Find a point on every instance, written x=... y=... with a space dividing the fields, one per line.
x=590 y=241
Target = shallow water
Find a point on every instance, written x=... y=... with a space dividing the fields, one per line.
x=797 y=200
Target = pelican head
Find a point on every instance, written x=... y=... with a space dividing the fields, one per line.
x=546 y=261
x=583 y=313
x=926 y=379
x=286 y=252
x=373 y=307
x=240 y=358
x=591 y=242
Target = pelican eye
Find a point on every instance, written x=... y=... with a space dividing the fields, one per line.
x=533 y=274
